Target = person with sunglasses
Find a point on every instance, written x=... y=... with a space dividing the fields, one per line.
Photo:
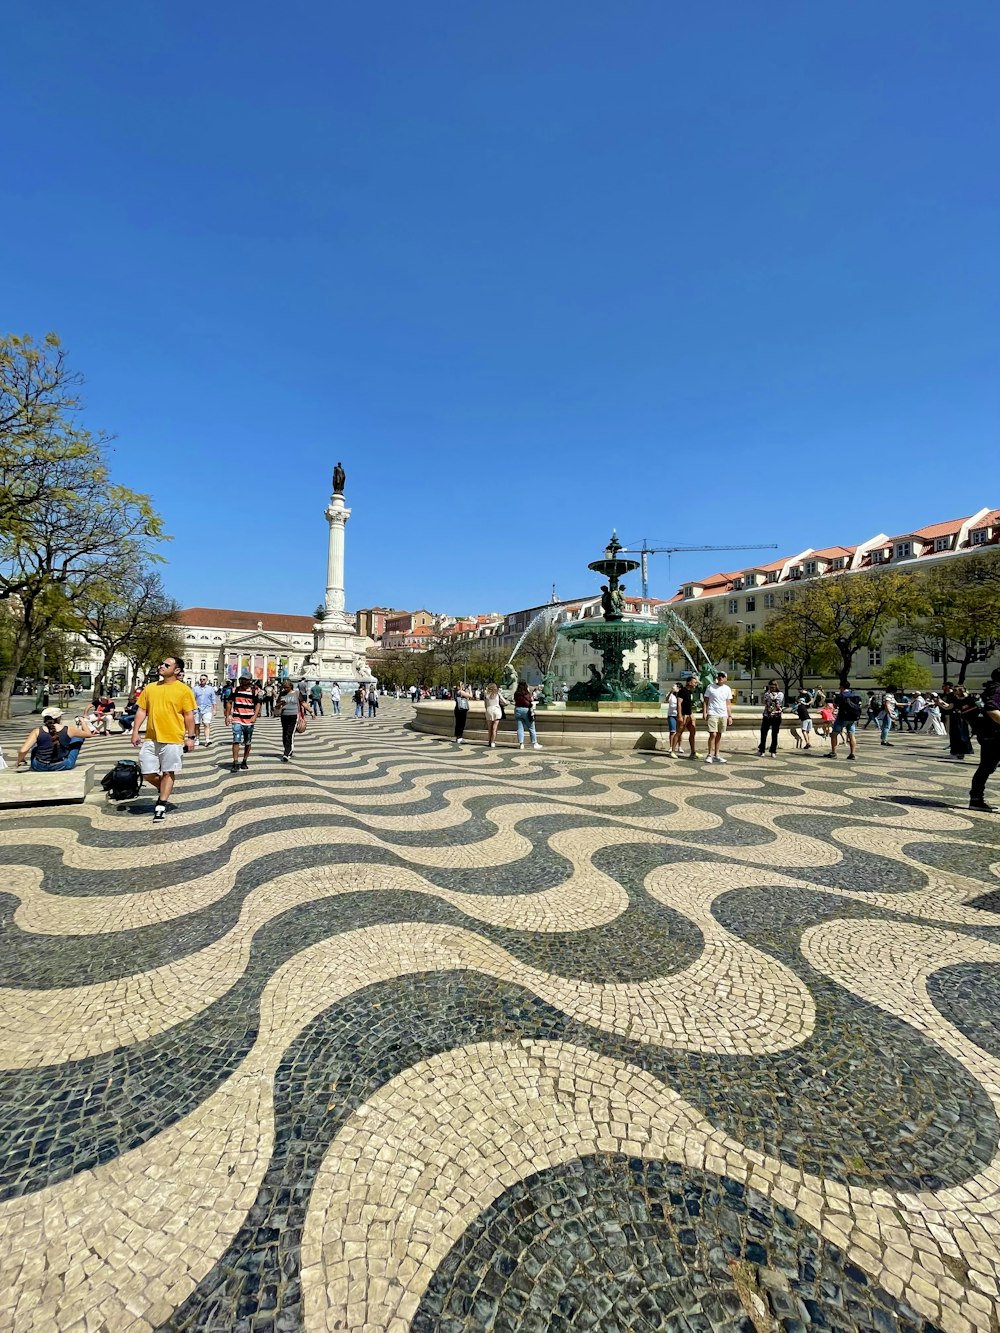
x=167 y=707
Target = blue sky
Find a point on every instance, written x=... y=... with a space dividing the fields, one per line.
x=705 y=273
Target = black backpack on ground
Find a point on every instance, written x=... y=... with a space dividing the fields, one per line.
x=123 y=782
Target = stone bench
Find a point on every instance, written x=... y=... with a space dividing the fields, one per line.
x=23 y=787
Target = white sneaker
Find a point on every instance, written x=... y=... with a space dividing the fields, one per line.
x=493 y=745
x=709 y=759
x=536 y=745
x=520 y=745
x=459 y=741
x=719 y=759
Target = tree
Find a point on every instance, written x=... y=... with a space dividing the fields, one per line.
x=447 y=650
x=962 y=618
x=791 y=651
x=125 y=605
x=151 y=642
x=854 y=611
x=39 y=400
x=904 y=673
x=719 y=638
x=66 y=523
x=486 y=664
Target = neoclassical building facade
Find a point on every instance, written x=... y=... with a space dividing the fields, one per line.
x=222 y=643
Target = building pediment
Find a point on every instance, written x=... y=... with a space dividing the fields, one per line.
x=258 y=641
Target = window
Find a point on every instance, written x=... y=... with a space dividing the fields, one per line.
x=796 y=571
x=980 y=649
x=769 y=600
x=877 y=557
x=786 y=596
x=874 y=657
x=688 y=590
x=978 y=537
x=750 y=581
x=903 y=550
x=733 y=605
x=840 y=562
x=936 y=656
x=810 y=568
x=203 y=667
x=751 y=603
x=942 y=543
x=737 y=584
x=771 y=576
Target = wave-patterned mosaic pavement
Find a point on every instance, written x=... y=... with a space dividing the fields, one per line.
x=404 y=1036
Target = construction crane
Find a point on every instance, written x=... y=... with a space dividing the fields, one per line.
x=645 y=551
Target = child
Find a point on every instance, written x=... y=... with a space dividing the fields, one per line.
x=825 y=720
x=802 y=729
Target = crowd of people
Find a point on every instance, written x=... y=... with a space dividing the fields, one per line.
x=177 y=717
x=953 y=712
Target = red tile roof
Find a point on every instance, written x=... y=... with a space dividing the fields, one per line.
x=938 y=530
x=222 y=618
x=990 y=520
x=831 y=553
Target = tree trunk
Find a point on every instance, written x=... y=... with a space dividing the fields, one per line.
x=963 y=668
x=19 y=649
x=846 y=661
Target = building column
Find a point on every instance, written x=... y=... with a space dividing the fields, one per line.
x=337 y=515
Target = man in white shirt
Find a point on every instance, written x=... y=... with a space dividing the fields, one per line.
x=717 y=710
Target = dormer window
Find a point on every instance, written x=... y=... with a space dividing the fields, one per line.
x=810 y=568
x=737 y=584
x=796 y=571
x=750 y=581
x=771 y=576
x=689 y=590
x=878 y=557
x=978 y=537
x=840 y=562
x=942 y=543
x=904 y=550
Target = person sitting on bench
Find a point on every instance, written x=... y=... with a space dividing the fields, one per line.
x=53 y=749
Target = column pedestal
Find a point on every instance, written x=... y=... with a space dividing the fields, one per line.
x=338 y=654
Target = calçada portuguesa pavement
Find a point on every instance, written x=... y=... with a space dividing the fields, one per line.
x=402 y=1035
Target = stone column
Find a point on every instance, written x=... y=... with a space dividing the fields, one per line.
x=337 y=515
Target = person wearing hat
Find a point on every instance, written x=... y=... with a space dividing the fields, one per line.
x=685 y=712
x=242 y=711
x=51 y=748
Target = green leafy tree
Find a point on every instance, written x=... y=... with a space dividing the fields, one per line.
x=854 y=611
x=487 y=663
x=448 y=652
x=151 y=642
x=904 y=673
x=962 y=617
x=66 y=522
x=788 y=650
x=125 y=605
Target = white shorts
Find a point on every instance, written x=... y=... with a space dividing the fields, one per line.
x=805 y=724
x=160 y=757
x=204 y=716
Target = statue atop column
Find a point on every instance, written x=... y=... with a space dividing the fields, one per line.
x=339 y=478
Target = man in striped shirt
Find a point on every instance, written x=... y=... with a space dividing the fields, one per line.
x=242 y=711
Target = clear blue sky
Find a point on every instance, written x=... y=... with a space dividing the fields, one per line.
x=529 y=269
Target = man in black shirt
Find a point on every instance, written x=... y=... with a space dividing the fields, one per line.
x=686 y=721
x=988 y=735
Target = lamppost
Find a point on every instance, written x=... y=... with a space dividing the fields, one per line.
x=750 y=654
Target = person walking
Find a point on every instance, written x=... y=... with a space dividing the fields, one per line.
x=204 y=698
x=773 y=701
x=988 y=734
x=316 y=699
x=888 y=714
x=524 y=714
x=372 y=701
x=289 y=709
x=242 y=712
x=493 y=702
x=874 y=708
x=717 y=710
x=167 y=707
x=267 y=698
x=672 y=732
x=802 y=731
x=462 y=696
x=847 y=715
x=958 y=706
x=335 y=698
x=932 y=716
x=686 y=721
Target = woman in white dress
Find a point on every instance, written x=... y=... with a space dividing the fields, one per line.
x=493 y=701
x=934 y=723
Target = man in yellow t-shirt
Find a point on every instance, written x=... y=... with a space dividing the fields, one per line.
x=169 y=706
